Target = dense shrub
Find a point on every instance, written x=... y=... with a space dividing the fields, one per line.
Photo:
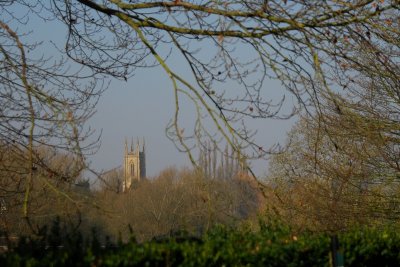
x=273 y=245
x=371 y=247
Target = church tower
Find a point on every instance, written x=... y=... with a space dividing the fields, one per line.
x=134 y=164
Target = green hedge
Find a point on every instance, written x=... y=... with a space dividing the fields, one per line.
x=272 y=245
x=371 y=247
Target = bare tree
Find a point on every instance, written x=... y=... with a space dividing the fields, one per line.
x=180 y=200
x=299 y=43
x=228 y=167
x=44 y=103
x=305 y=45
x=343 y=159
x=52 y=194
x=332 y=176
x=112 y=180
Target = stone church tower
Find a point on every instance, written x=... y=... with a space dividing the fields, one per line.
x=134 y=164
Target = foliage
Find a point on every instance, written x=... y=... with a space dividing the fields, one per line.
x=372 y=247
x=274 y=244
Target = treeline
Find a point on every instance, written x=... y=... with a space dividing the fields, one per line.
x=178 y=200
x=310 y=188
x=185 y=200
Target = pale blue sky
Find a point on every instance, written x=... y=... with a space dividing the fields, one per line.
x=142 y=107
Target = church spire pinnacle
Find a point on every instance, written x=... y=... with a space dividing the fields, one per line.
x=126 y=146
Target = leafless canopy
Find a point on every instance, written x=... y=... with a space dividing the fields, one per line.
x=230 y=47
x=44 y=102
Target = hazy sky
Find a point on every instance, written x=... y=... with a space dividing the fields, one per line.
x=142 y=107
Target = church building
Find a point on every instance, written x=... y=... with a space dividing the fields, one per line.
x=134 y=164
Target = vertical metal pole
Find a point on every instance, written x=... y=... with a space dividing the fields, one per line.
x=334 y=248
x=336 y=253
